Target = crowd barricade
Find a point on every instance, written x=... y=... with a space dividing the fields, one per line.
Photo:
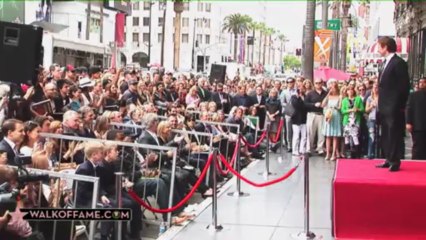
x=254 y=121
x=233 y=136
x=228 y=144
x=151 y=168
x=60 y=192
x=198 y=154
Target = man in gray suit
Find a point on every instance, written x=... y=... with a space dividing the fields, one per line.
x=285 y=101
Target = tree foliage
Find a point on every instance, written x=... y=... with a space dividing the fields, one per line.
x=291 y=61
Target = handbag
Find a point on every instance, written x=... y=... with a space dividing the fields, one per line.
x=328 y=114
x=289 y=110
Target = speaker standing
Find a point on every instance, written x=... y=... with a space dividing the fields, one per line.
x=394 y=87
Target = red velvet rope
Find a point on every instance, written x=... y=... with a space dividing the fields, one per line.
x=234 y=156
x=183 y=201
x=257 y=143
x=285 y=176
x=278 y=134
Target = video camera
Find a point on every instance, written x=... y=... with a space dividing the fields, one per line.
x=8 y=195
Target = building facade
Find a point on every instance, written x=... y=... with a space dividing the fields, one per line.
x=410 y=21
x=201 y=41
x=72 y=33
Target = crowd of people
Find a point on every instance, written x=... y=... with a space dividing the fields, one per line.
x=334 y=119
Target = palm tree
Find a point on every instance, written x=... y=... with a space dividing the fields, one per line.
x=88 y=19
x=262 y=28
x=346 y=4
x=249 y=21
x=163 y=30
x=178 y=7
x=271 y=47
x=235 y=24
x=253 y=26
x=283 y=39
x=267 y=34
x=308 y=56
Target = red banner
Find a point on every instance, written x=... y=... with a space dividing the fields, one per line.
x=120 y=20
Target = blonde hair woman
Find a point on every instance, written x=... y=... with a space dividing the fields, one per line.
x=332 y=129
x=308 y=85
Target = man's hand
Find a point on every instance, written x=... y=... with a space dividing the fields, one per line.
x=409 y=127
x=170 y=153
x=4 y=220
x=105 y=200
x=318 y=104
x=152 y=157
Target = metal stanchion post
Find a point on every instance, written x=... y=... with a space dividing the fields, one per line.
x=266 y=173
x=282 y=142
x=306 y=234
x=238 y=193
x=214 y=224
x=118 y=187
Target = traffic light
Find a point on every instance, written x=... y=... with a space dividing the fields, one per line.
x=298 y=52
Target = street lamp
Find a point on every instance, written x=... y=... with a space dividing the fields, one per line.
x=150 y=31
x=163 y=31
x=194 y=52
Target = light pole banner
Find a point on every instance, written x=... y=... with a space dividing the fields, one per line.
x=322 y=45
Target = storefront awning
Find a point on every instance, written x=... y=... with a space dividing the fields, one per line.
x=403 y=46
x=78 y=46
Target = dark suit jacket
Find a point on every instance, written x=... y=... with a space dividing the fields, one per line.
x=243 y=101
x=105 y=171
x=415 y=111
x=200 y=127
x=84 y=190
x=261 y=112
x=394 y=87
x=146 y=138
x=204 y=128
x=172 y=96
x=207 y=95
x=59 y=103
x=5 y=147
x=226 y=107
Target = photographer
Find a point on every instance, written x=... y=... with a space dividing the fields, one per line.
x=12 y=225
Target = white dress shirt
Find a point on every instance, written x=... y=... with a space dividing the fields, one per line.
x=387 y=60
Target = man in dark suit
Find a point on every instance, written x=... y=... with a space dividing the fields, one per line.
x=203 y=93
x=416 y=120
x=202 y=126
x=259 y=101
x=149 y=137
x=222 y=100
x=13 y=131
x=394 y=87
x=242 y=100
x=61 y=100
x=105 y=171
x=94 y=152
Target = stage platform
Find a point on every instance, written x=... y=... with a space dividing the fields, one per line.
x=273 y=212
x=373 y=203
